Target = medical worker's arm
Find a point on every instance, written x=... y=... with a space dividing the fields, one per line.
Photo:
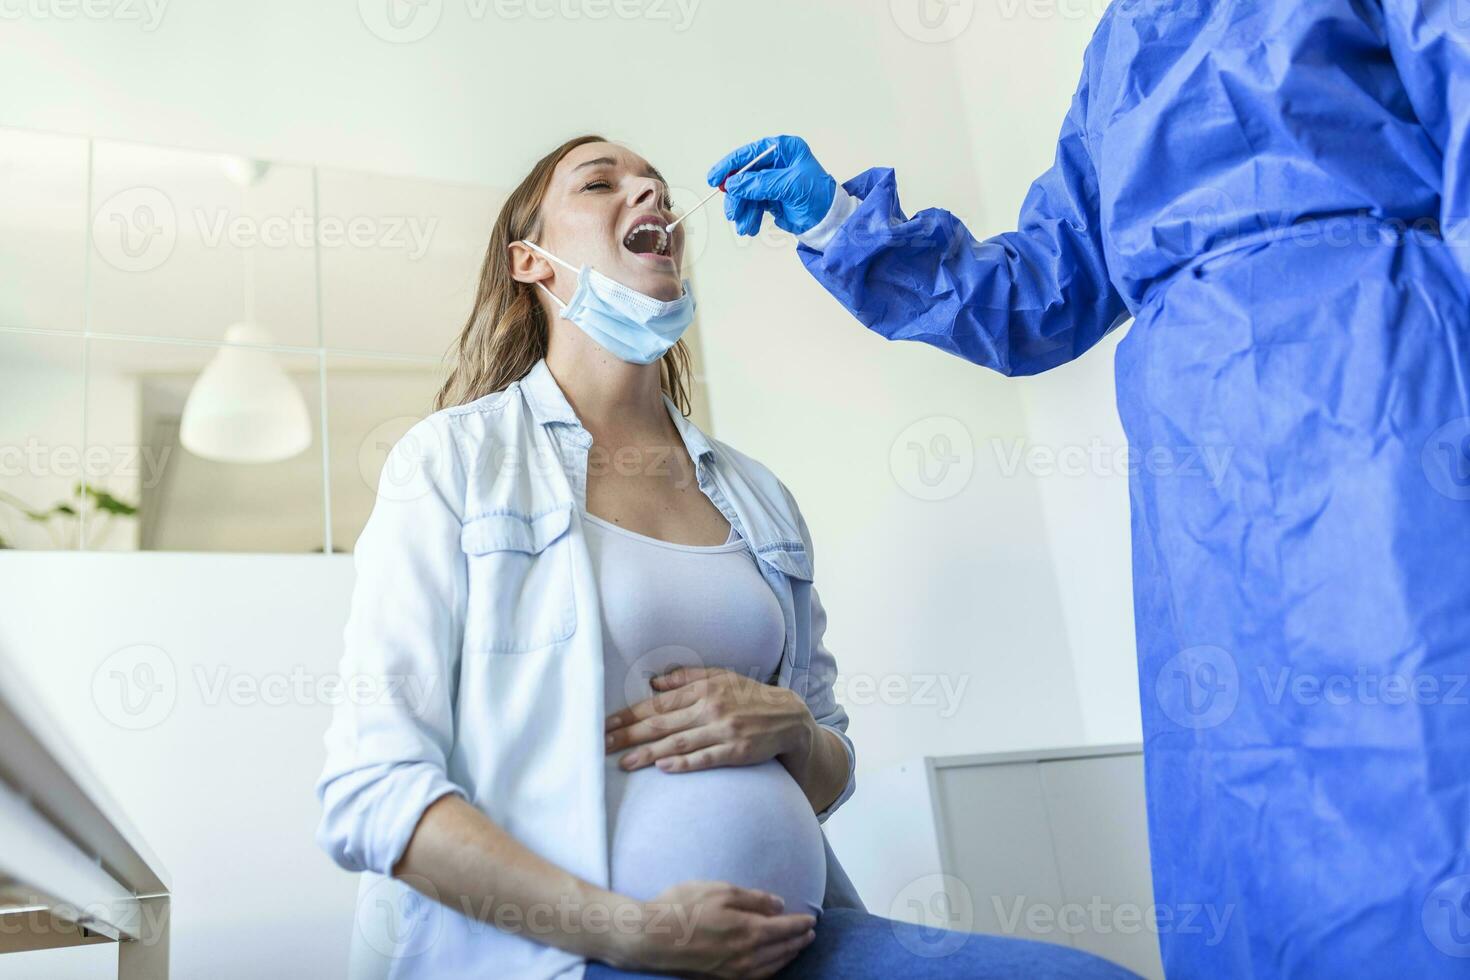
x=1430 y=42
x=388 y=804
x=1020 y=302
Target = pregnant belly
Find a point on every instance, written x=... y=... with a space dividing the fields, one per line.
x=748 y=825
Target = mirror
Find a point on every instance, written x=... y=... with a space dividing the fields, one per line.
x=208 y=352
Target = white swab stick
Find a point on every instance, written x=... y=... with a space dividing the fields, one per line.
x=763 y=153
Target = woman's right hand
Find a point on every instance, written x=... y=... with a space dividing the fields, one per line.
x=715 y=929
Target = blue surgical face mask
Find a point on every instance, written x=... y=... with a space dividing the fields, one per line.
x=630 y=325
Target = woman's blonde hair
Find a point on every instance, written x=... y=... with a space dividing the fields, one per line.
x=506 y=332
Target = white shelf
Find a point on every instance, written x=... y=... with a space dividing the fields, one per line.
x=74 y=870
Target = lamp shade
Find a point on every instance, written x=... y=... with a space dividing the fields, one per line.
x=243 y=408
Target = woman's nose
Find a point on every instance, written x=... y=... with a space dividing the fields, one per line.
x=643 y=192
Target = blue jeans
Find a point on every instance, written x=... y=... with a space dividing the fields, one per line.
x=855 y=945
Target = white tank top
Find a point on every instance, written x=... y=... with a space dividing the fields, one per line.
x=666 y=605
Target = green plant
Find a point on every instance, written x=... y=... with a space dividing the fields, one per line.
x=58 y=518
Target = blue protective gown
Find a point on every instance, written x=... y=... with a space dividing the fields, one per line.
x=1278 y=193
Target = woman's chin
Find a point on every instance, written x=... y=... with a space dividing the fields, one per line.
x=654 y=275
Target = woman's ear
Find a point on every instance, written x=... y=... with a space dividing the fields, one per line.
x=526 y=265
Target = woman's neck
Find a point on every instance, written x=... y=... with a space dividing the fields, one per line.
x=612 y=397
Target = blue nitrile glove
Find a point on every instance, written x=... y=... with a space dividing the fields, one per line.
x=789 y=183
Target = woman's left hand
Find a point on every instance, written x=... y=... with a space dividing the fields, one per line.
x=704 y=718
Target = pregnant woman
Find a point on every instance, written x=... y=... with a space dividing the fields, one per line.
x=590 y=726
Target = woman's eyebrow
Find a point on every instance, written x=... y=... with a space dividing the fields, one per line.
x=610 y=162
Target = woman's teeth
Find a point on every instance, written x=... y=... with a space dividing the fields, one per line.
x=647 y=237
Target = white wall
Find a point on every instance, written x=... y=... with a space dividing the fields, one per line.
x=1019 y=63
x=1074 y=441
x=1011 y=590
x=196 y=686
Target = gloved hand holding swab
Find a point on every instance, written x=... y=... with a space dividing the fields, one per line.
x=764 y=153
x=792 y=187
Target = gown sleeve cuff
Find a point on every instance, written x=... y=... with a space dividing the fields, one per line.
x=820 y=235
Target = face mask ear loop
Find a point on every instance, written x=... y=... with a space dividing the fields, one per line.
x=537 y=248
x=555 y=298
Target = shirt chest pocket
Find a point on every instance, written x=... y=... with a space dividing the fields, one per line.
x=520 y=581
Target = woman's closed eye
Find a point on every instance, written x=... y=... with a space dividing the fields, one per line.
x=666 y=201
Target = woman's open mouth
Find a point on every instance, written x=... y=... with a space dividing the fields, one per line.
x=649 y=237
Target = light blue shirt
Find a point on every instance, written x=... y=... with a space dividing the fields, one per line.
x=474 y=664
